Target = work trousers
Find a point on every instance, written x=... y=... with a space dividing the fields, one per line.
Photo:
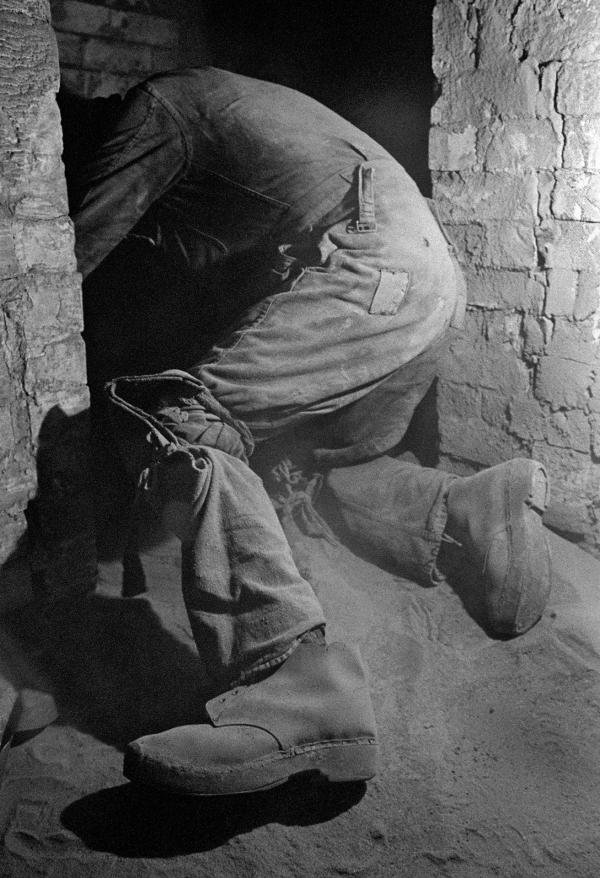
x=342 y=339
x=321 y=354
x=247 y=603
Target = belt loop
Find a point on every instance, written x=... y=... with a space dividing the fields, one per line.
x=366 y=202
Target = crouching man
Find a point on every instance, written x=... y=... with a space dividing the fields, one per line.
x=337 y=325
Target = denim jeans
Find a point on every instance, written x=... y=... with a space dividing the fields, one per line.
x=347 y=310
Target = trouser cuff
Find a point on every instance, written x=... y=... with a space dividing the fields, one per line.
x=267 y=666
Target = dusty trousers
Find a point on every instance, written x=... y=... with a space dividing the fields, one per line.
x=396 y=510
x=333 y=336
x=246 y=601
x=355 y=289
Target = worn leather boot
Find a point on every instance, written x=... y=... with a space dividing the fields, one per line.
x=313 y=714
x=496 y=515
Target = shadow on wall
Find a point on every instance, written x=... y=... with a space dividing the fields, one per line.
x=107 y=661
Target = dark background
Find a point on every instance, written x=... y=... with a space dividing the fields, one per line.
x=369 y=61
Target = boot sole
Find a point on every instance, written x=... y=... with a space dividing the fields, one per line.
x=526 y=586
x=337 y=762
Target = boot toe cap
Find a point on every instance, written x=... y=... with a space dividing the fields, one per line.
x=517 y=579
x=196 y=758
x=507 y=542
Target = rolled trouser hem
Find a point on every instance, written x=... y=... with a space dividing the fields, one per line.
x=273 y=660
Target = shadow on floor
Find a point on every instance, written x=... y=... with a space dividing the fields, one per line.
x=130 y=821
x=115 y=671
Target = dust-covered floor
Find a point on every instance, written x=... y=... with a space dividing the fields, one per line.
x=490 y=750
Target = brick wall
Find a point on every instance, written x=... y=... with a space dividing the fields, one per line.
x=515 y=159
x=106 y=47
x=42 y=367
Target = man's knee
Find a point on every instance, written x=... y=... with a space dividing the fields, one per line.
x=151 y=412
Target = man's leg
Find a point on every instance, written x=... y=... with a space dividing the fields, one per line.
x=255 y=620
x=328 y=334
x=416 y=518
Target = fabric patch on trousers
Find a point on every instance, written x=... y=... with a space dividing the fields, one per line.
x=390 y=292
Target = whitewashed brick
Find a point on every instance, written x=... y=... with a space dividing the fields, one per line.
x=574 y=341
x=526 y=418
x=496 y=244
x=508 y=87
x=477 y=197
x=582 y=143
x=452 y=150
x=570 y=245
x=474 y=440
x=551 y=30
x=498 y=288
x=60 y=366
x=578 y=93
x=517 y=144
x=568 y=430
x=45 y=244
x=587 y=303
x=562 y=383
x=454 y=42
x=560 y=297
x=576 y=196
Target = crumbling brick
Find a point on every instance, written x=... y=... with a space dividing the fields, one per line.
x=453 y=37
x=452 y=150
x=568 y=430
x=526 y=418
x=482 y=196
x=507 y=89
x=576 y=196
x=562 y=383
x=565 y=244
x=44 y=244
x=478 y=362
x=561 y=292
x=517 y=144
x=496 y=244
x=532 y=95
x=582 y=143
x=473 y=440
x=577 y=89
x=502 y=288
x=574 y=341
x=587 y=303
x=41 y=353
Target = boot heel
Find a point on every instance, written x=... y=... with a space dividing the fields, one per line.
x=349 y=762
